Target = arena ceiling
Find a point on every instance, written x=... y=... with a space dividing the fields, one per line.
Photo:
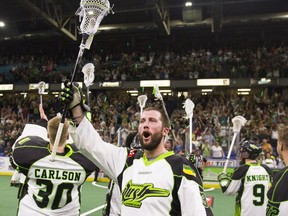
x=31 y=19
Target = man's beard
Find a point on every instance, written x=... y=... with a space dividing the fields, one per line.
x=154 y=143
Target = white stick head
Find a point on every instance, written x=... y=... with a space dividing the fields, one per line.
x=238 y=123
x=41 y=87
x=92 y=12
x=88 y=71
x=189 y=107
x=142 y=100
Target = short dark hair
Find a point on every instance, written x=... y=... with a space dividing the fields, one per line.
x=164 y=118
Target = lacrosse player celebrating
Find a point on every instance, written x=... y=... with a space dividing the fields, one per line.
x=251 y=181
x=277 y=194
x=50 y=188
x=156 y=182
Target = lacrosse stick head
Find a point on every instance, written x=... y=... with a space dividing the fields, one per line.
x=157 y=93
x=238 y=123
x=88 y=71
x=189 y=106
x=142 y=100
x=92 y=12
x=41 y=87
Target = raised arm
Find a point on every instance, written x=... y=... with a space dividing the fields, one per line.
x=108 y=157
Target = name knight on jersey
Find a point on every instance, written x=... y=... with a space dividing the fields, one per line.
x=257 y=178
x=57 y=174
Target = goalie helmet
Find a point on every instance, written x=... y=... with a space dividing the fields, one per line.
x=249 y=150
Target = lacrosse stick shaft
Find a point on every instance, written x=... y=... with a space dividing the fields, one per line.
x=57 y=139
x=88 y=98
x=164 y=108
x=229 y=152
x=118 y=136
x=60 y=127
x=41 y=101
x=190 y=133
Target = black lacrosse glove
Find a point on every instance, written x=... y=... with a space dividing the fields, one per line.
x=72 y=95
x=224 y=180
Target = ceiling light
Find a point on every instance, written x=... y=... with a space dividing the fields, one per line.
x=151 y=83
x=244 y=90
x=188 y=4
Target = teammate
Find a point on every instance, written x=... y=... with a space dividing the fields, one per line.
x=51 y=188
x=18 y=178
x=250 y=181
x=278 y=193
x=157 y=182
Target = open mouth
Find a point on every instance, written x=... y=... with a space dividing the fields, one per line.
x=146 y=135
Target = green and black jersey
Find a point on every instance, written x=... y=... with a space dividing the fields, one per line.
x=167 y=185
x=278 y=195
x=250 y=182
x=51 y=188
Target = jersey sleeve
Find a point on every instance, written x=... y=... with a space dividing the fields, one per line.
x=27 y=151
x=190 y=195
x=191 y=191
x=110 y=158
x=278 y=196
x=236 y=180
x=34 y=130
x=269 y=171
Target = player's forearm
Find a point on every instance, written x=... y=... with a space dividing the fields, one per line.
x=232 y=188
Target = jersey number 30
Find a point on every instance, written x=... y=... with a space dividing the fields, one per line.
x=44 y=194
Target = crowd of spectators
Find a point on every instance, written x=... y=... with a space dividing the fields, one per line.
x=153 y=64
x=115 y=114
x=118 y=112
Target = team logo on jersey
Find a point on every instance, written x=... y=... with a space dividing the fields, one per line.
x=272 y=210
x=204 y=199
x=188 y=170
x=134 y=194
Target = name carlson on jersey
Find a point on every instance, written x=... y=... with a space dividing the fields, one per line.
x=257 y=177
x=57 y=174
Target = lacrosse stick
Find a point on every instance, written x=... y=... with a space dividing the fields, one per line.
x=41 y=89
x=88 y=71
x=189 y=106
x=158 y=95
x=92 y=12
x=238 y=122
x=142 y=101
x=118 y=136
